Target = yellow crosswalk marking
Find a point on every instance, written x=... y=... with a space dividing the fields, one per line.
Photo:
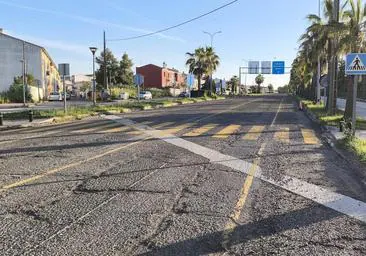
x=283 y=135
x=92 y=129
x=157 y=127
x=227 y=131
x=254 y=133
x=85 y=130
x=115 y=130
x=178 y=128
x=309 y=137
x=200 y=131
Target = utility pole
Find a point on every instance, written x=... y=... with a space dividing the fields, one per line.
x=105 y=62
x=333 y=65
x=240 y=77
x=318 y=96
x=24 y=73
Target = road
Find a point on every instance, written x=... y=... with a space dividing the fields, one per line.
x=246 y=176
x=360 y=107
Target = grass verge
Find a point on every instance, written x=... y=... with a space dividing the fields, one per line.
x=321 y=113
x=355 y=145
x=80 y=112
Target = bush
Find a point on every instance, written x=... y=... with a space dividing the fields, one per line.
x=15 y=93
x=4 y=98
x=159 y=93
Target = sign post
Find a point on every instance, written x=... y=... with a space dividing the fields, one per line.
x=355 y=66
x=64 y=70
x=138 y=80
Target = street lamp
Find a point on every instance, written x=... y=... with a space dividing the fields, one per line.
x=212 y=35
x=93 y=51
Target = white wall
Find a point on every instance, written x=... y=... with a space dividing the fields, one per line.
x=11 y=52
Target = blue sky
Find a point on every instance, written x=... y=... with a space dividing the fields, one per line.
x=256 y=30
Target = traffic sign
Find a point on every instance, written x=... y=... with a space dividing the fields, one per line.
x=253 y=67
x=138 y=79
x=190 y=80
x=278 y=67
x=355 y=64
x=266 y=67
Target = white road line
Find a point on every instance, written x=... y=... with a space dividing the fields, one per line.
x=338 y=202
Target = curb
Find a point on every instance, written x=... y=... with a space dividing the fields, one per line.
x=330 y=139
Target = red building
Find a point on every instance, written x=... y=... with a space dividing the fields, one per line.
x=160 y=77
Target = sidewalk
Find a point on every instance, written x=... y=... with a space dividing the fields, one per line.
x=9 y=124
x=361 y=134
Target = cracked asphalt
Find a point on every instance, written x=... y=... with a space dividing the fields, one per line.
x=96 y=187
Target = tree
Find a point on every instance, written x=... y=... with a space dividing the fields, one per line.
x=112 y=67
x=234 y=83
x=212 y=61
x=15 y=93
x=352 y=40
x=125 y=73
x=85 y=86
x=196 y=65
x=270 y=88
x=259 y=80
x=203 y=62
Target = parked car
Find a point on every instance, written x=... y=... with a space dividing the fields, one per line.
x=68 y=96
x=145 y=95
x=184 y=95
x=55 y=96
x=124 y=96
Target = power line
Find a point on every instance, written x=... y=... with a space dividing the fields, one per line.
x=175 y=26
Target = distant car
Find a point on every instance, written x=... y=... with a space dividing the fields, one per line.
x=145 y=95
x=55 y=96
x=68 y=96
x=184 y=95
x=124 y=96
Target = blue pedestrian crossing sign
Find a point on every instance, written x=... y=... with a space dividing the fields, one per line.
x=355 y=64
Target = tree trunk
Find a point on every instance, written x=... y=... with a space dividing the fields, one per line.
x=349 y=103
x=199 y=82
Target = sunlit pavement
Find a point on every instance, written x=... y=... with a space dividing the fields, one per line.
x=234 y=177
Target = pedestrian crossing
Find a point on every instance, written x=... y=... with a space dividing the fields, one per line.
x=190 y=130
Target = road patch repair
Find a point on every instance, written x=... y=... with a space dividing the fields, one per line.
x=335 y=201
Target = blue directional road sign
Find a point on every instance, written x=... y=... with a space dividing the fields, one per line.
x=355 y=64
x=278 y=67
x=190 y=80
x=138 y=79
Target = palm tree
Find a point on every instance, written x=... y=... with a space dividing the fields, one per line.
x=196 y=64
x=259 y=80
x=203 y=62
x=352 y=40
x=212 y=61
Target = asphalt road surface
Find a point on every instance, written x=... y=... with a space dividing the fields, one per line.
x=246 y=176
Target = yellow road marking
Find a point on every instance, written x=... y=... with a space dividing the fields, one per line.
x=53 y=171
x=93 y=128
x=309 y=137
x=234 y=217
x=227 y=131
x=283 y=135
x=115 y=130
x=254 y=132
x=200 y=131
x=177 y=128
x=157 y=127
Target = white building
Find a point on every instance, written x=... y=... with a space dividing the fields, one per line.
x=37 y=63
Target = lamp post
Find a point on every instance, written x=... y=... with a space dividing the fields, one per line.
x=212 y=35
x=246 y=74
x=93 y=51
